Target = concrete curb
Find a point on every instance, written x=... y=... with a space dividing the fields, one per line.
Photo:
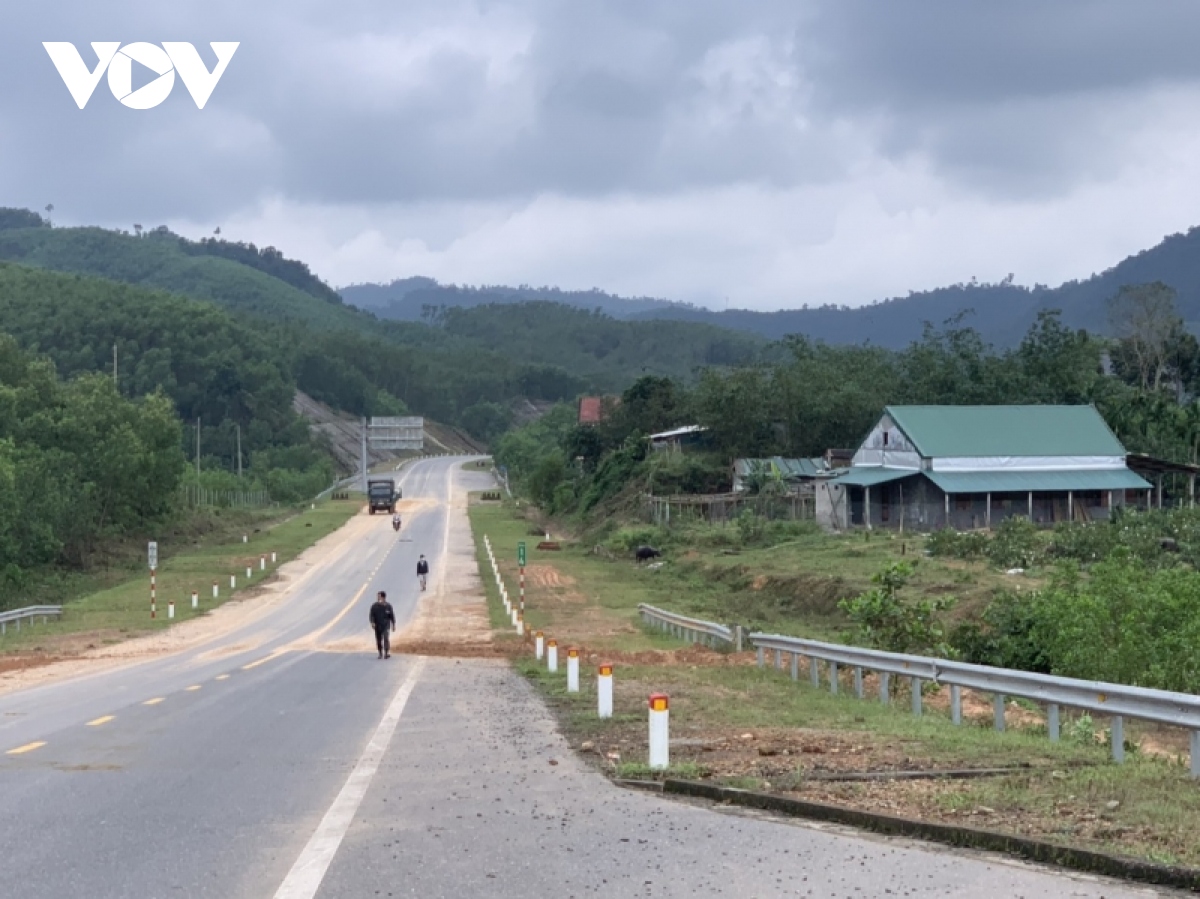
x=1087 y=860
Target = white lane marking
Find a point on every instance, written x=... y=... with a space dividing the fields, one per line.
x=303 y=881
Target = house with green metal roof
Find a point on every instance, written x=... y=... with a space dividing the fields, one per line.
x=929 y=467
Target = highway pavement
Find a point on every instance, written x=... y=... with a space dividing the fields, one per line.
x=284 y=760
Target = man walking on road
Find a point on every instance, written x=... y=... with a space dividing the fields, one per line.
x=422 y=571
x=383 y=619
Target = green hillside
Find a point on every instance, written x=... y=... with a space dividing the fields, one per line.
x=164 y=260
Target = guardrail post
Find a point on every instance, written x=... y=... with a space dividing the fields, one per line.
x=1052 y=721
x=885 y=687
x=814 y=671
x=738 y=632
x=998 y=710
x=778 y=660
x=916 y=695
x=1118 y=739
x=795 y=666
x=760 y=657
x=833 y=678
x=956 y=703
x=858 y=682
x=1195 y=753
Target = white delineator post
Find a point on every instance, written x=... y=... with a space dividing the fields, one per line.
x=520 y=623
x=244 y=538
x=262 y=563
x=660 y=729
x=604 y=690
x=216 y=590
x=195 y=600
x=514 y=617
x=170 y=608
x=232 y=581
x=272 y=557
x=249 y=572
x=552 y=655
x=572 y=670
x=539 y=644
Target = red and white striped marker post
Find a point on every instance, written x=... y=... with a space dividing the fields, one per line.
x=604 y=690
x=195 y=600
x=552 y=655
x=153 y=594
x=572 y=670
x=216 y=590
x=262 y=563
x=660 y=731
x=539 y=644
x=522 y=587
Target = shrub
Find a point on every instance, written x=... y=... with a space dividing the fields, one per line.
x=957 y=544
x=1015 y=545
x=885 y=621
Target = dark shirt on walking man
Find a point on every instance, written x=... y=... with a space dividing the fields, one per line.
x=422 y=567
x=382 y=615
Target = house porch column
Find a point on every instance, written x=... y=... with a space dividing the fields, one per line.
x=1031 y=505
x=987 y=512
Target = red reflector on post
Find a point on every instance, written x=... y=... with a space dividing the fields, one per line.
x=606 y=670
x=658 y=702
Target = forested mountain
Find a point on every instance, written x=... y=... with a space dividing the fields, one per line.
x=463 y=366
x=1001 y=312
x=416 y=299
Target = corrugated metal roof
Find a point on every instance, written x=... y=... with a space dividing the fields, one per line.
x=678 y=432
x=870 y=475
x=1037 y=481
x=788 y=469
x=940 y=431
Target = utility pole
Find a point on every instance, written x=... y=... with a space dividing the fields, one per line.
x=364 y=455
x=239 y=449
x=197 y=451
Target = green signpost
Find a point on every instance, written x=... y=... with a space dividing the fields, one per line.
x=521 y=553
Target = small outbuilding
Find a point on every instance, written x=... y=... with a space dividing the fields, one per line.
x=930 y=467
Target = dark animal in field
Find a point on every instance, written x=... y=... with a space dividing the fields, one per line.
x=645 y=553
x=1169 y=545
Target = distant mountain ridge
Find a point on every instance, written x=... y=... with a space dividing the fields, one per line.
x=1001 y=312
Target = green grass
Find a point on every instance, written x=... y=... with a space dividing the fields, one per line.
x=124 y=609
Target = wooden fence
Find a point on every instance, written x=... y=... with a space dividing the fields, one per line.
x=721 y=508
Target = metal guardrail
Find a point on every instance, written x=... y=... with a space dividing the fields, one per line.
x=16 y=616
x=692 y=629
x=1115 y=700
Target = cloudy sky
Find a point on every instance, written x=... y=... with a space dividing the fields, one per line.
x=755 y=153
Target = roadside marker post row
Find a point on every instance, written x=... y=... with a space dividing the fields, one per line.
x=659 y=704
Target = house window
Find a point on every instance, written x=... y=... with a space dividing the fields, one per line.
x=885 y=438
x=962 y=502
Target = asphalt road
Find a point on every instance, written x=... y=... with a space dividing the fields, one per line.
x=284 y=760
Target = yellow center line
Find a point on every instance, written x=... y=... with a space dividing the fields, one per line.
x=222 y=677
x=28 y=747
x=155 y=701
x=101 y=720
x=193 y=687
x=276 y=654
